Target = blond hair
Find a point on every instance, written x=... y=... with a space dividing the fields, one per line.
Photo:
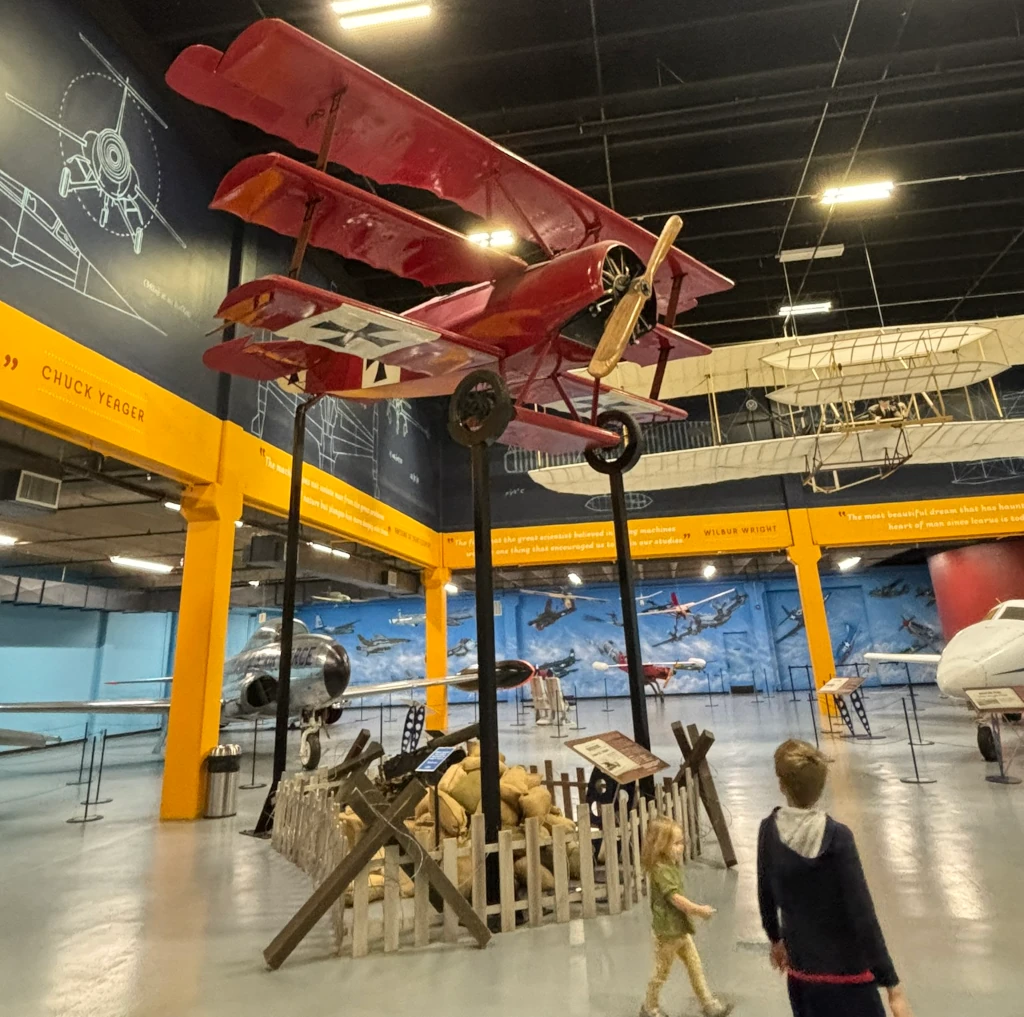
x=801 y=770
x=657 y=847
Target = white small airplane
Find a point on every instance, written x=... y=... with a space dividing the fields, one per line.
x=682 y=610
x=987 y=654
x=409 y=619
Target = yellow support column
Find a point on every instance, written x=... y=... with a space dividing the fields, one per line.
x=805 y=555
x=434 y=580
x=193 y=726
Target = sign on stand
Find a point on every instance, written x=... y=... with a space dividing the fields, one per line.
x=1005 y=699
x=435 y=760
x=840 y=686
x=618 y=756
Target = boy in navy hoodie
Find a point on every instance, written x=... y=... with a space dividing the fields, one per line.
x=816 y=908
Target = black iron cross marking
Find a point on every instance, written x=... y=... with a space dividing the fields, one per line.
x=380 y=336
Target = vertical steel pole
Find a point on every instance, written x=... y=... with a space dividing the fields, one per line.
x=291 y=570
x=630 y=626
x=487 y=693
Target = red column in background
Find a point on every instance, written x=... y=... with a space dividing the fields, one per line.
x=970 y=581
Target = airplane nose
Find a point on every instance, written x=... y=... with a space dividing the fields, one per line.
x=337 y=670
x=954 y=674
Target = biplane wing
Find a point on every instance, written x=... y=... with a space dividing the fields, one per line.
x=275 y=191
x=286 y=83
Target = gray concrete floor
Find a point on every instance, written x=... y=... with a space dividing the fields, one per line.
x=130 y=917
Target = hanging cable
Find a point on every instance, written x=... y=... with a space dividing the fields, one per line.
x=600 y=96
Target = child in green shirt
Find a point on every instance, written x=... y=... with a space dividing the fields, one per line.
x=672 y=919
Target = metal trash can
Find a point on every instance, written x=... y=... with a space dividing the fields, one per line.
x=222 y=770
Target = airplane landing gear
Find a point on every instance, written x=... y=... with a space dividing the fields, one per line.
x=987 y=744
x=309 y=740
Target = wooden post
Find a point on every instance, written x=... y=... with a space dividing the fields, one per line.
x=478 y=858
x=561 y=873
x=361 y=913
x=586 y=861
x=566 y=795
x=392 y=900
x=634 y=840
x=611 y=859
x=627 y=867
x=450 y=866
x=533 y=885
x=421 y=910
x=507 y=881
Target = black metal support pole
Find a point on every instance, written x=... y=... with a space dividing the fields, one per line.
x=630 y=625
x=487 y=694
x=88 y=792
x=607 y=708
x=291 y=570
x=917 y=723
x=792 y=683
x=252 y=781
x=711 y=702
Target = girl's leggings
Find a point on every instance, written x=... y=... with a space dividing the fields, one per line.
x=665 y=953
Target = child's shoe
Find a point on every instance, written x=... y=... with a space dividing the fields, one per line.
x=718 y=1009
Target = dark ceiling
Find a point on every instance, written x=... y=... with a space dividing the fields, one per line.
x=737 y=113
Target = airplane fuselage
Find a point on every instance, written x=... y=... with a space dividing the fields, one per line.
x=987 y=654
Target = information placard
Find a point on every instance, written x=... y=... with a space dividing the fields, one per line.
x=434 y=760
x=840 y=686
x=1004 y=699
x=618 y=756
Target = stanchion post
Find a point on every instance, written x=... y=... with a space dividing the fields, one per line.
x=711 y=702
x=86 y=818
x=81 y=762
x=917 y=723
x=576 y=707
x=607 y=707
x=917 y=778
x=99 y=775
x=811 y=697
x=252 y=783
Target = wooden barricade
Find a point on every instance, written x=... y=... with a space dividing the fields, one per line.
x=562 y=873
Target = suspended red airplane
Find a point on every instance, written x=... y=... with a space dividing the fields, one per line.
x=594 y=300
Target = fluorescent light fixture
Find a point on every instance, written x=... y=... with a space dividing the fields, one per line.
x=451 y=588
x=494 y=238
x=387 y=16
x=878 y=191
x=848 y=563
x=812 y=253
x=139 y=565
x=6 y=541
x=345 y=7
x=795 y=310
x=254 y=582
x=575 y=579
x=172 y=505
x=708 y=571
x=327 y=549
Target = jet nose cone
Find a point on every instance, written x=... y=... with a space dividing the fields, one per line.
x=337 y=670
x=956 y=673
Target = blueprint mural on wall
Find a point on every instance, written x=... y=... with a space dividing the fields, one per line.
x=751 y=634
x=104 y=231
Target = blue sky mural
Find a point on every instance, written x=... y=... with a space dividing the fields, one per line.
x=752 y=631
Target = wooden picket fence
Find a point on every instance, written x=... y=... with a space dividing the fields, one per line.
x=307 y=832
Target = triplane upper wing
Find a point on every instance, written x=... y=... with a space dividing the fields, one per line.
x=285 y=82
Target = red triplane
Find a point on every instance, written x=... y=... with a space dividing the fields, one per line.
x=606 y=289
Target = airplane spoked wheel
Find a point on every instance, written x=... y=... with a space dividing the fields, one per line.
x=987 y=744
x=624 y=456
x=309 y=750
x=480 y=409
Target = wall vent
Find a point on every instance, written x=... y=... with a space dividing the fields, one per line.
x=29 y=489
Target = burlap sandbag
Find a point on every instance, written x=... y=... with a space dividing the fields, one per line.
x=466 y=790
x=573 y=858
x=470 y=764
x=452 y=814
x=536 y=802
x=352 y=826
x=509 y=815
x=514 y=784
x=451 y=775
x=533 y=779
x=553 y=819
x=547 y=878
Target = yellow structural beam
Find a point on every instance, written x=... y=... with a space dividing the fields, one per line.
x=193 y=726
x=437 y=645
x=805 y=555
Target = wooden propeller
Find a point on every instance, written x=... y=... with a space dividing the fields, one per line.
x=626 y=313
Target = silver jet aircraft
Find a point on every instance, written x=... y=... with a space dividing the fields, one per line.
x=318 y=691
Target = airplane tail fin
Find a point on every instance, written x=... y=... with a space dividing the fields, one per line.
x=675 y=601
